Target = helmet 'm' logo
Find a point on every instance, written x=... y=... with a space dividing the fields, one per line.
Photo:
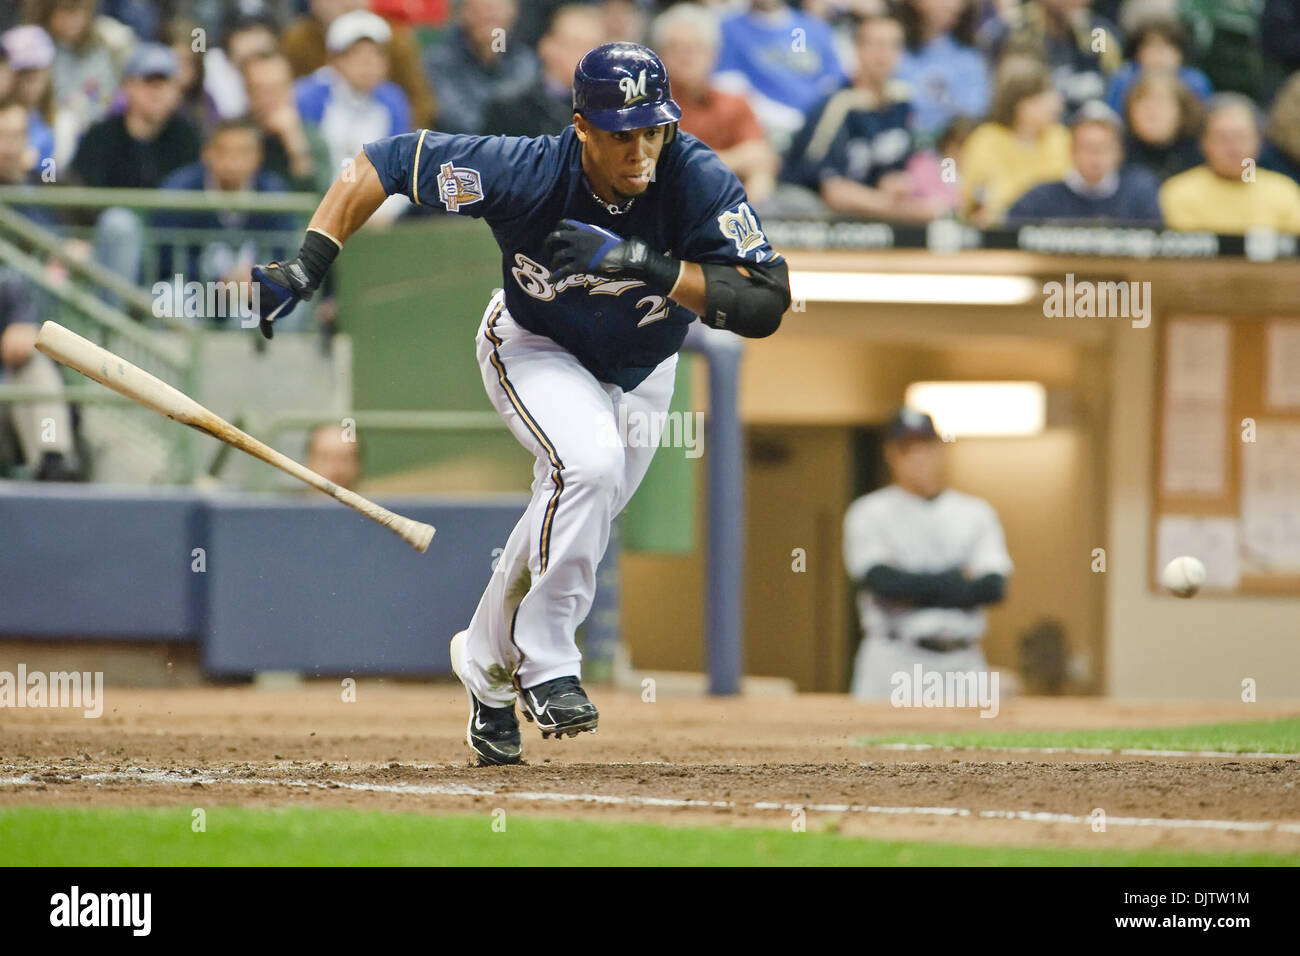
x=633 y=90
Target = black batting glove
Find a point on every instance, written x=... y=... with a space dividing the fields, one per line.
x=577 y=248
x=279 y=286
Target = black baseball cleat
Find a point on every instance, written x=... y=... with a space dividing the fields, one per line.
x=493 y=732
x=560 y=707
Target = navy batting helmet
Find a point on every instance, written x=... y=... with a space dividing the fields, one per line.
x=621 y=86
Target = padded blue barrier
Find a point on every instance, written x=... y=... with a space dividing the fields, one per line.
x=314 y=587
x=100 y=562
x=287 y=583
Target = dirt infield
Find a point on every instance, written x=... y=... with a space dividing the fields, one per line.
x=687 y=761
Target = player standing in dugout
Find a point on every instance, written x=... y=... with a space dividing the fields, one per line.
x=615 y=235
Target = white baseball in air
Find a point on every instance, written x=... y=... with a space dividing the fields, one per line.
x=1183 y=576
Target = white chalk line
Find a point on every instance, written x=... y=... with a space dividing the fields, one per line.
x=463 y=790
x=1088 y=751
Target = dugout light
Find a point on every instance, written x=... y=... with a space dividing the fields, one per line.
x=912 y=288
x=981 y=409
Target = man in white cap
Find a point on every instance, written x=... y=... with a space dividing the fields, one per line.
x=926 y=559
x=352 y=100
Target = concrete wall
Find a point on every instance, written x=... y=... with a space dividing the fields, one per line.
x=255 y=582
x=1160 y=646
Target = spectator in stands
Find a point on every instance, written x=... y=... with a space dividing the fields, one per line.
x=143 y=17
x=854 y=148
x=1225 y=42
x=197 y=106
x=1156 y=45
x=1022 y=145
x=1131 y=14
x=18 y=159
x=533 y=19
x=1281 y=150
x=625 y=20
x=933 y=171
x=217 y=16
x=546 y=107
x=292 y=147
x=781 y=60
x=1228 y=194
x=137 y=148
x=89 y=54
x=334 y=455
x=43 y=429
x=31 y=55
x=476 y=62
x=352 y=100
x=1279 y=36
x=687 y=39
x=222 y=79
x=304 y=44
x=1099 y=187
x=948 y=76
x=231 y=162
x=1164 y=120
x=1065 y=34
x=6 y=75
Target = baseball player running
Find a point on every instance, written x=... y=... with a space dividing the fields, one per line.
x=615 y=235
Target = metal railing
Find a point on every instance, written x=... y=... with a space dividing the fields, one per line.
x=124 y=317
x=195 y=253
x=72 y=300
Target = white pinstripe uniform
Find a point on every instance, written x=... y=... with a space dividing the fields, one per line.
x=554 y=407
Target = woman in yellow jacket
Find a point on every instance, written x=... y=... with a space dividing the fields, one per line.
x=1022 y=144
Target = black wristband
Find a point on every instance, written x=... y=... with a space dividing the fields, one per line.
x=658 y=270
x=316 y=254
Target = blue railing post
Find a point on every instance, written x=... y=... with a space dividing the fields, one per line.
x=724 y=552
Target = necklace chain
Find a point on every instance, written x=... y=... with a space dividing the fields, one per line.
x=612 y=208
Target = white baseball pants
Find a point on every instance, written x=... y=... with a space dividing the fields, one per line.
x=545 y=579
x=879 y=659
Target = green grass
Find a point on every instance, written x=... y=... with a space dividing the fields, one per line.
x=42 y=836
x=1261 y=736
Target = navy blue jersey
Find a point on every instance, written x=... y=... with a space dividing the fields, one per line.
x=855 y=135
x=695 y=209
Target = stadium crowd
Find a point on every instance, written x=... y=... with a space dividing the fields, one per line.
x=1175 y=113
x=992 y=111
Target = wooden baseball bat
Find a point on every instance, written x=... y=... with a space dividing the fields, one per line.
x=138 y=385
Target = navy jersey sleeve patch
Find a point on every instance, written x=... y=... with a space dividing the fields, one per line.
x=489 y=177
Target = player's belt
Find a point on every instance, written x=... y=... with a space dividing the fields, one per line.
x=944 y=645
